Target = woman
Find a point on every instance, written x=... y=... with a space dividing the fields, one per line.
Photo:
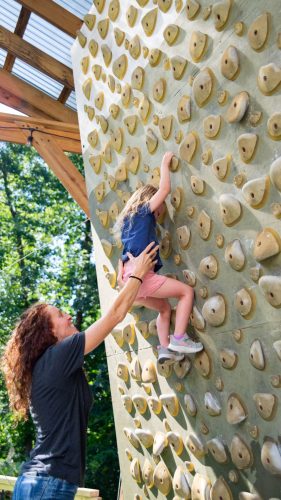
x=42 y=364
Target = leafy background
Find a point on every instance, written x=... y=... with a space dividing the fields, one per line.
x=46 y=254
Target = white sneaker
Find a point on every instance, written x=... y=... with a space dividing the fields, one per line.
x=184 y=345
x=167 y=356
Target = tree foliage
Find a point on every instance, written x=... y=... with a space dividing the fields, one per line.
x=46 y=254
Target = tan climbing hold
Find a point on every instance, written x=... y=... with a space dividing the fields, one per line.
x=198 y=45
x=269 y=78
x=145 y=436
x=275 y=173
x=202 y=87
x=183 y=234
x=239 y=28
x=123 y=372
x=212 y=125
x=196 y=317
x=103 y=217
x=133 y=160
x=241 y=453
x=271 y=288
x=220 y=240
x=144 y=108
x=135 y=47
x=267 y=244
x=162 y=478
x=113 y=210
x=119 y=66
x=258 y=31
x=214 y=310
x=95 y=161
x=195 y=445
x=129 y=333
x=135 y=470
x=171 y=33
x=197 y=184
x=217 y=449
x=171 y=403
x=256 y=355
x=212 y=405
x=274 y=126
x=99 y=191
x=209 y=266
x=119 y=36
x=90 y=112
x=190 y=404
x=159 y=90
x=127 y=402
x=117 y=140
x=113 y=10
x=149 y=21
x=220 y=490
x=87 y=88
x=131 y=436
x=135 y=369
x=85 y=64
x=178 y=67
x=266 y=405
x=204 y=225
x=192 y=9
x=182 y=368
x=140 y=403
x=151 y=141
x=154 y=404
x=149 y=372
x=230 y=63
x=228 y=358
x=184 y=109
x=271 y=456
x=201 y=487
x=202 y=363
x=190 y=277
x=180 y=483
x=230 y=209
x=90 y=21
x=255 y=191
x=221 y=167
x=102 y=122
x=130 y=123
x=165 y=126
x=220 y=13
x=175 y=441
x=137 y=78
x=93 y=47
x=244 y=302
x=234 y=255
x=246 y=146
x=121 y=174
x=147 y=473
x=103 y=26
x=154 y=57
x=82 y=39
x=131 y=16
x=235 y=412
x=107 y=247
x=237 y=108
x=106 y=54
x=188 y=147
x=222 y=97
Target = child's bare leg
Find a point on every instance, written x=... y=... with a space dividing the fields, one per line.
x=177 y=289
x=163 y=319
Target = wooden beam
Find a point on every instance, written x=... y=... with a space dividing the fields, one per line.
x=13 y=129
x=19 y=30
x=18 y=47
x=54 y=14
x=64 y=95
x=22 y=96
x=63 y=168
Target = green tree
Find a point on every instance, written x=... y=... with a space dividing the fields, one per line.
x=46 y=254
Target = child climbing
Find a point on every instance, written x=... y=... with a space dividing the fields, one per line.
x=137 y=225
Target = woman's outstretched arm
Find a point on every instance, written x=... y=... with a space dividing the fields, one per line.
x=97 y=332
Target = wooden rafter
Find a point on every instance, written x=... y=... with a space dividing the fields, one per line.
x=63 y=168
x=54 y=14
x=18 y=47
x=22 y=96
x=13 y=129
x=64 y=95
x=19 y=30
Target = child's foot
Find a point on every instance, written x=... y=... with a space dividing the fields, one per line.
x=167 y=356
x=184 y=345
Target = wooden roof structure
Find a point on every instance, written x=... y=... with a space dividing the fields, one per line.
x=52 y=124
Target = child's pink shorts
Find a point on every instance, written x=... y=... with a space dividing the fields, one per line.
x=151 y=282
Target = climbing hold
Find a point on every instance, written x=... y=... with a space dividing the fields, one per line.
x=119 y=36
x=258 y=31
x=234 y=255
x=271 y=288
x=220 y=13
x=181 y=483
x=197 y=184
x=147 y=473
x=235 y=412
x=154 y=404
x=149 y=21
x=244 y=302
x=178 y=66
x=159 y=90
x=256 y=355
x=119 y=66
x=87 y=88
x=197 y=45
x=230 y=63
x=184 y=109
x=217 y=449
x=165 y=126
x=204 y=225
x=267 y=244
x=212 y=126
x=162 y=478
x=255 y=191
x=183 y=234
x=246 y=146
x=274 y=126
x=171 y=33
x=212 y=405
x=230 y=209
x=269 y=78
x=221 y=166
x=241 y=453
x=209 y=266
x=202 y=363
x=196 y=446
x=188 y=147
x=144 y=108
x=203 y=86
x=266 y=405
x=137 y=78
x=175 y=441
x=271 y=456
x=237 y=108
x=201 y=487
x=171 y=403
x=275 y=173
x=214 y=310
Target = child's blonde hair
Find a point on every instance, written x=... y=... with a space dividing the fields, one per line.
x=139 y=198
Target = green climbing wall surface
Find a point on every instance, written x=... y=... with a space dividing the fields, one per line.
x=202 y=80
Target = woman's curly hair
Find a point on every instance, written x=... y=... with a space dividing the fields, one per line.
x=32 y=335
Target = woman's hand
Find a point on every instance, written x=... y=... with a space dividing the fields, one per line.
x=145 y=261
x=167 y=158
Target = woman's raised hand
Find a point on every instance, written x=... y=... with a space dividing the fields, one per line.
x=167 y=158
x=145 y=261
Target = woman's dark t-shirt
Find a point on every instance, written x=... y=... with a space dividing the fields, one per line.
x=60 y=403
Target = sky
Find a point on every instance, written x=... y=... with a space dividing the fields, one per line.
x=6 y=109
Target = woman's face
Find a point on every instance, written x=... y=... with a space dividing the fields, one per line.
x=62 y=323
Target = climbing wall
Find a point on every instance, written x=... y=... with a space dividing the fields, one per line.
x=202 y=80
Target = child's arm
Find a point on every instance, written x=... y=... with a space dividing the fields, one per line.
x=120 y=281
x=165 y=183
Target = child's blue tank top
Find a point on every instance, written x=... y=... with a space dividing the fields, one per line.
x=137 y=232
